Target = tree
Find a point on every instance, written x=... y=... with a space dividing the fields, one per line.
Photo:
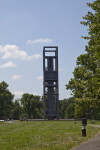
x=66 y=108
x=69 y=111
x=85 y=85
x=62 y=107
x=16 y=110
x=32 y=105
x=5 y=100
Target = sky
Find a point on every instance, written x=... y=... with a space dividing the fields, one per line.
x=28 y=25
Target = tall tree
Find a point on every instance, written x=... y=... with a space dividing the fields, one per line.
x=16 y=110
x=32 y=105
x=63 y=104
x=66 y=108
x=5 y=100
x=85 y=85
x=69 y=111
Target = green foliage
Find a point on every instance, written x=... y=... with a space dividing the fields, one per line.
x=5 y=101
x=32 y=106
x=62 y=105
x=69 y=112
x=85 y=85
x=16 y=110
x=29 y=106
x=66 y=108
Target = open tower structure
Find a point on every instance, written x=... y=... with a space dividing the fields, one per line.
x=50 y=83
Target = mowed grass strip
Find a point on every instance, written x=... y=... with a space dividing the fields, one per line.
x=43 y=135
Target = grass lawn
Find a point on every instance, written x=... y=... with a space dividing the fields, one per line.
x=43 y=135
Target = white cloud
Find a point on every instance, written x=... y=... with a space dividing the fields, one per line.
x=15 y=77
x=20 y=93
x=8 y=65
x=13 y=51
x=46 y=40
x=40 y=78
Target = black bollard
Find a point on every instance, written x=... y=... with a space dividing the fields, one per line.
x=84 y=123
x=84 y=131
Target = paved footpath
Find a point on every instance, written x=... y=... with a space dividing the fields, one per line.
x=92 y=144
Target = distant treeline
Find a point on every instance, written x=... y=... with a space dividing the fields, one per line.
x=29 y=106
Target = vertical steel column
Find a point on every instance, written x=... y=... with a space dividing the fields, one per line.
x=44 y=100
x=57 y=96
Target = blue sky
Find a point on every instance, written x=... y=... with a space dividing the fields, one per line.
x=28 y=25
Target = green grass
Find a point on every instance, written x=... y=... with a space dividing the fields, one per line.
x=43 y=135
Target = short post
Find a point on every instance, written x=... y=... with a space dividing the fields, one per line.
x=84 y=123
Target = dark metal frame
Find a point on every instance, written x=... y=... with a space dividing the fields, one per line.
x=50 y=83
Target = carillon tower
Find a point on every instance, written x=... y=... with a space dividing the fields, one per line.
x=50 y=83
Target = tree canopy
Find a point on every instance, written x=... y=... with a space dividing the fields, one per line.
x=85 y=84
x=29 y=105
x=5 y=100
x=32 y=106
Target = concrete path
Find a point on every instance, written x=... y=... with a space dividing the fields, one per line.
x=92 y=144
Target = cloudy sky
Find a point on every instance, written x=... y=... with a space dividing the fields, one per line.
x=28 y=25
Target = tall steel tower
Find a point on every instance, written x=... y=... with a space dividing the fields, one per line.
x=50 y=83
